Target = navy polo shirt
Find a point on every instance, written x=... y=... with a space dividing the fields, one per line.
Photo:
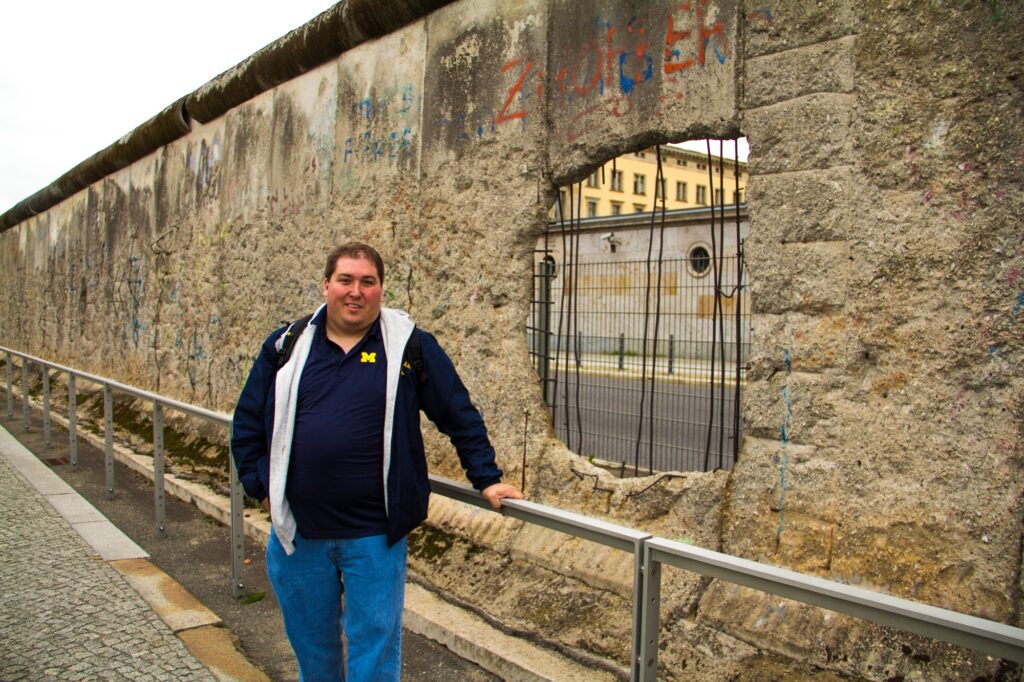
x=336 y=471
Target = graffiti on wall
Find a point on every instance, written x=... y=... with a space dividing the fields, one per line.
x=604 y=76
x=785 y=433
x=648 y=54
x=384 y=125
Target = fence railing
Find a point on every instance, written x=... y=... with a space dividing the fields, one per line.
x=160 y=403
x=649 y=552
x=642 y=364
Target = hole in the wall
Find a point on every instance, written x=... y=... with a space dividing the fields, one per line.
x=640 y=326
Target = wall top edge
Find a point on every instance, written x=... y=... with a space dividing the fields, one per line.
x=335 y=30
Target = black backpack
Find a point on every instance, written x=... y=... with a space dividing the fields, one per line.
x=286 y=344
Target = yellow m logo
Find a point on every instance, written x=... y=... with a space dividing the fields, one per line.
x=368 y=357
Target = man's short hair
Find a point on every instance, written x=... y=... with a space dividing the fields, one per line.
x=354 y=250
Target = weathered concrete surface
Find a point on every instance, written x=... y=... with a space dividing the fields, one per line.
x=885 y=397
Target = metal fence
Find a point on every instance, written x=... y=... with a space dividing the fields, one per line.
x=643 y=364
x=649 y=552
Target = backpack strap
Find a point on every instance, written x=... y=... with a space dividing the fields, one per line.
x=414 y=354
x=286 y=342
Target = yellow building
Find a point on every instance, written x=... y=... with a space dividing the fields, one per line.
x=628 y=184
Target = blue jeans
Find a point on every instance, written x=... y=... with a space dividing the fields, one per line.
x=309 y=585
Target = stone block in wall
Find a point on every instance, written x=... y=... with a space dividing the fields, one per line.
x=483 y=191
x=804 y=343
x=803 y=206
x=301 y=167
x=245 y=186
x=777 y=25
x=800 y=134
x=822 y=639
x=594 y=564
x=959 y=555
x=484 y=80
x=809 y=278
x=797 y=407
x=623 y=75
x=823 y=67
x=377 y=132
x=188 y=182
x=790 y=496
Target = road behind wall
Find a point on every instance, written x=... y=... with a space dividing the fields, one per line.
x=885 y=400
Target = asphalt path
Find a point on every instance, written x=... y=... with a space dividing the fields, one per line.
x=195 y=552
x=676 y=418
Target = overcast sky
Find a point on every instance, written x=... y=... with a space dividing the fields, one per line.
x=77 y=76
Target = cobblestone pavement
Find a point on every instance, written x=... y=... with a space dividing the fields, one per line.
x=65 y=614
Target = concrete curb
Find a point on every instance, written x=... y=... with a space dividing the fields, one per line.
x=199 y=628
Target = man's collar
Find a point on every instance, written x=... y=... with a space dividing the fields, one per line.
x=374 y=332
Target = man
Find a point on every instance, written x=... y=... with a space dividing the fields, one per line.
x=331 y=445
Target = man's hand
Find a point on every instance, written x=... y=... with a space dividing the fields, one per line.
x=498 y=491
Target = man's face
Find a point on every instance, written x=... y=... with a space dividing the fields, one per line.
x=353 y=295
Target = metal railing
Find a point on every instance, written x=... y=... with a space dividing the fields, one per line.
x=159 y=404
x=649 y=552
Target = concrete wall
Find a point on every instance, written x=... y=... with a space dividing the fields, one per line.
x=885 y=394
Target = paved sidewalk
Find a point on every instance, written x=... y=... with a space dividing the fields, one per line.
x=65 y=613
x=684 y=370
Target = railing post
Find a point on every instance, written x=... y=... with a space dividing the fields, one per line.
x=547 y=272
x=10 y=386
x=24 y=394
x=46 y=405
x=646 y=636
x=72 y=421
x=671 y=351
x=622 y=351
x=159 y=504
x=639 y=610
x=108 y=438
x=237 y=529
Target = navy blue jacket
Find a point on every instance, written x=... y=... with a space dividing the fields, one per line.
x=439 y=393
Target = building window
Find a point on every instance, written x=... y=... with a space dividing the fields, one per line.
x=681 y=162
x=702 y=195
x=639 y=208
x=718 y=196
x=659 y=189
x=591 y=208
x=593 y=180
x=638 y=184
x=616 y=208
x=681 y=191
x=617 y=181
x=702 y=166
x=737 y=196
x=699 y=260
x=640 y=155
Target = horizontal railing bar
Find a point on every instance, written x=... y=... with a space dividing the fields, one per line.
x=996 y=639
x=194 y=410
x=602 y=532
